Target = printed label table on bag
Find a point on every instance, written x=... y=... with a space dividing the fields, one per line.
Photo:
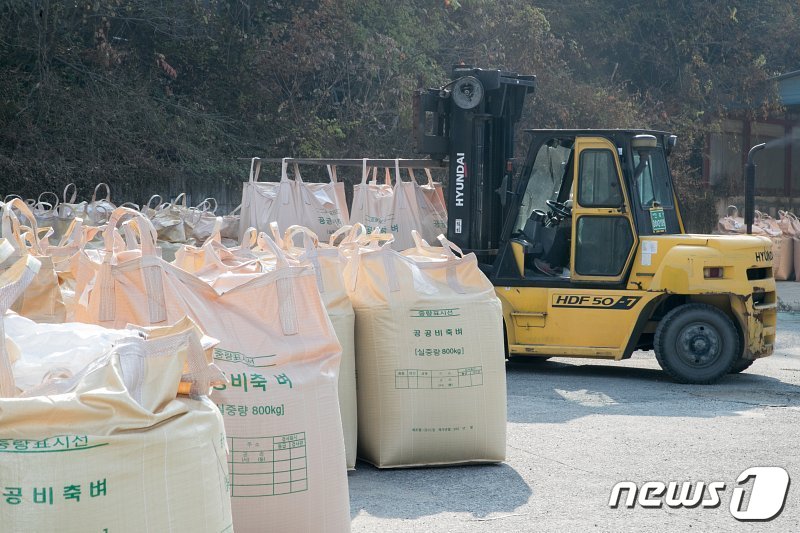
x=268 y=466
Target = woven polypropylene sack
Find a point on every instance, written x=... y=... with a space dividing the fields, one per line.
x=429 y=358
x=432 y=207
x=114 y=448
x=280 y=353
x=783 y=246
x=320 y=207
x=169 y=220
x=42 y=300
x=386 y=208
x=96 y=212
x=328 y=264
x=782 y=257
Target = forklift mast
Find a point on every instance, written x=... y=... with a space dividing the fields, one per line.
x=471 y=121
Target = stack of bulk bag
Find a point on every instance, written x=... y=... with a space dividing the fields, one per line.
x=383 y=208
x=321 y=207
x=280 y=354
x=328 y=264
x=93 y=213
x=114 y=448
x=430 y=356
x=733 y=224
x=202 y=223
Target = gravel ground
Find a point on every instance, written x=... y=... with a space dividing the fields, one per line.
x=577 y=427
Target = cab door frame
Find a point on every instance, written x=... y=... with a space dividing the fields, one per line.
x=587 y=144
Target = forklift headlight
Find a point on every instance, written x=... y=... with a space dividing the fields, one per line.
x=713 y=272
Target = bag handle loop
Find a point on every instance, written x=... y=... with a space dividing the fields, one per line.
x=53 y=205
x=180 y=201
x=12 y=227
x=255 y=169
x=74 y=193
x=332 y=173
x=364 y=171
x=108 y=192
x=150 y=201
x=250 y=238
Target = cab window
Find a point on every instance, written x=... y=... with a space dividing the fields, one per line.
x=546 y=178
x=652 y=179
x=598 y=182
x=604 y=244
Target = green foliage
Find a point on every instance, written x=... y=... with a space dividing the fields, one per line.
x=153 y=95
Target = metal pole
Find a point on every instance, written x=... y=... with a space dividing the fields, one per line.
x=750 y=187
x=404 y=163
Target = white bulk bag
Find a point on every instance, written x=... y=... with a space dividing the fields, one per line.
x=123 y=405
x=230 y=225
x=200 y=220
x=67 y=210
x=383 y=208
x=430 y=357
x=46 y=213
x=169 y=220
x=320 y=207
x=373 y=202
x=281 y=356
x=328 y=264
x=115 y=448
x=432 y=207
x=96 y=212
x=42 y=300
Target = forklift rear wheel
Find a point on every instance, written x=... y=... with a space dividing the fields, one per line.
x=741 y=365
x=696 y=343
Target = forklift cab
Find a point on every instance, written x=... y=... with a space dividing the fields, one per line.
x=583 y=198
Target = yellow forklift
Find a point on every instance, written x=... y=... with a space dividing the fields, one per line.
x=585 y=243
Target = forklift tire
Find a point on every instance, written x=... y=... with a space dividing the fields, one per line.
x=741 y=365
x=696 y=343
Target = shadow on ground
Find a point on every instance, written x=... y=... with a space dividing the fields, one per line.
x=557 y=391
x=411 y=493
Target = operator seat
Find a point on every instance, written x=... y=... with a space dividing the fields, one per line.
x=548 y=237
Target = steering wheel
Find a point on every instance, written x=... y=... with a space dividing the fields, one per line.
x=561 y=210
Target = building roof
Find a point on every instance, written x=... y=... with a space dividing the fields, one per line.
x=789 y=88
x=793 y=74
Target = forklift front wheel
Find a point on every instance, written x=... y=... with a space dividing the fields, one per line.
x=696 y=343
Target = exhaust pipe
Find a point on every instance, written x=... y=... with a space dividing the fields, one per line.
x=750 y=187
